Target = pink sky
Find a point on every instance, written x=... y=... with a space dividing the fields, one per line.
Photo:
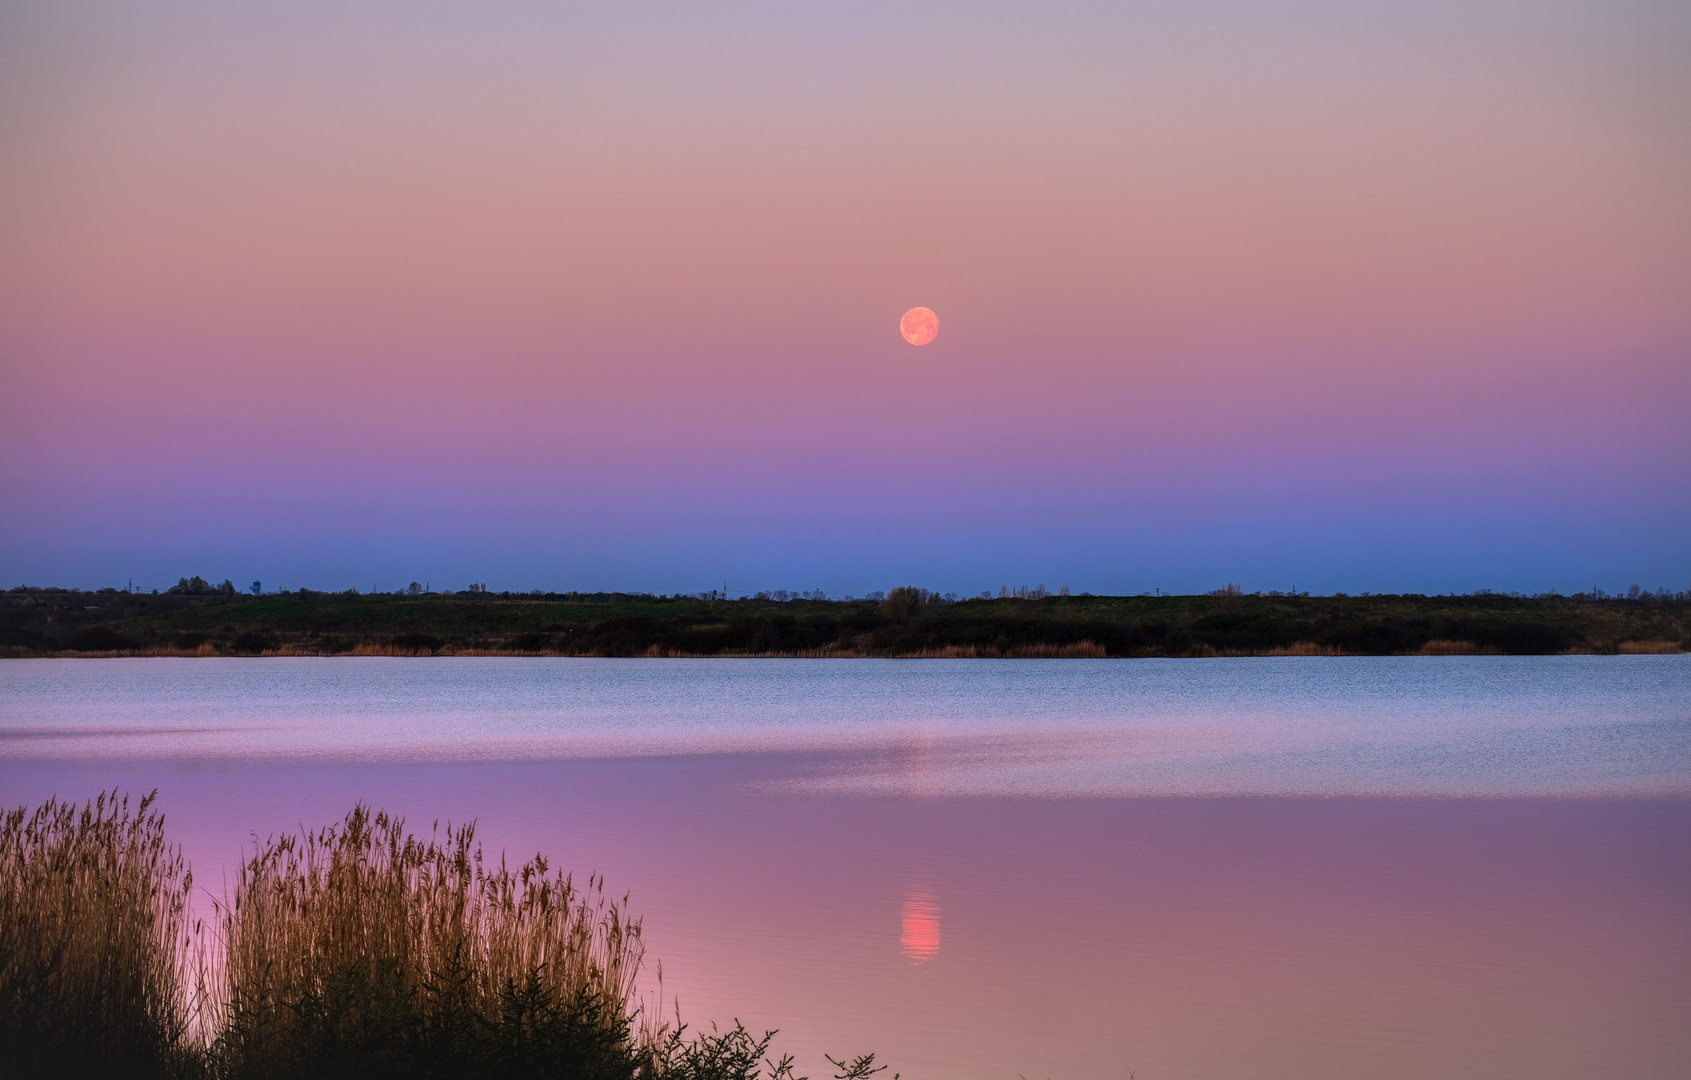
x=355 y=294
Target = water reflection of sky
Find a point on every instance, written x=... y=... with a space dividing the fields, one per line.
x=1389 y=725
x=964 y=937
x=825 y=847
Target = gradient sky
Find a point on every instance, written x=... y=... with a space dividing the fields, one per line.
x=1351 y=296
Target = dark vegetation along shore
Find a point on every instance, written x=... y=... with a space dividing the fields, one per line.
x=357 y=951
x=199 y=619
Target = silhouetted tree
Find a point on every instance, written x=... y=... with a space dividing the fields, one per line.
x=903 y=601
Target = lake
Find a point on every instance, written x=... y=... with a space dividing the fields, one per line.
x=1264 y=867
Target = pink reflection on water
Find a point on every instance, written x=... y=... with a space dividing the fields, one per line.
x=919 y=935
x=1181 y=939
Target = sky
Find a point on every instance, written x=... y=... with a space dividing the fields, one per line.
x=1360 y=296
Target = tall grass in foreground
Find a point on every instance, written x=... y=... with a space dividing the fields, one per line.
x=356 y=951
x=362 y=950
x=95 y=953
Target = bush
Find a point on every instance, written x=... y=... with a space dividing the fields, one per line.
x=421 y=643
x=252 y=642
x=99 y=638
x=903 y=601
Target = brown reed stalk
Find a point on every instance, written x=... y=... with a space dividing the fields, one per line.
x=97 y=959
x=362 y=947
x=1300 y=648
x=1647 y=648
x=1447 y=647
x=369 y=649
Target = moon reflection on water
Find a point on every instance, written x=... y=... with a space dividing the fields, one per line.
x=919 y=935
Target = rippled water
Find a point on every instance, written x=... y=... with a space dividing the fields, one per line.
x=1363 y=725
x=1316 y=868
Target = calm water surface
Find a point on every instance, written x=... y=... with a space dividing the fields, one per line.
x=1392 y=867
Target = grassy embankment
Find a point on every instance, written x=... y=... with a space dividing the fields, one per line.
x=354 y=952
x=46 y=622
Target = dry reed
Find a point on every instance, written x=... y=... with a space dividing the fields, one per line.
x=1079 y=650
x=1649 y=647
x=1303 y=648
x=293 y=650
x=450 y=650
x=1444 y=647
x=96 y=952
x=356 y=951
x=365 y=937
x=204 y=648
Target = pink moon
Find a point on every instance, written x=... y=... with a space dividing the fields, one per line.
x=919 y=326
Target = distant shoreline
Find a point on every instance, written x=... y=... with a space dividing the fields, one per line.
x=908 y=624
x=1647 y=648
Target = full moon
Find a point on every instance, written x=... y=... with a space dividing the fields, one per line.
x=919 y=326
